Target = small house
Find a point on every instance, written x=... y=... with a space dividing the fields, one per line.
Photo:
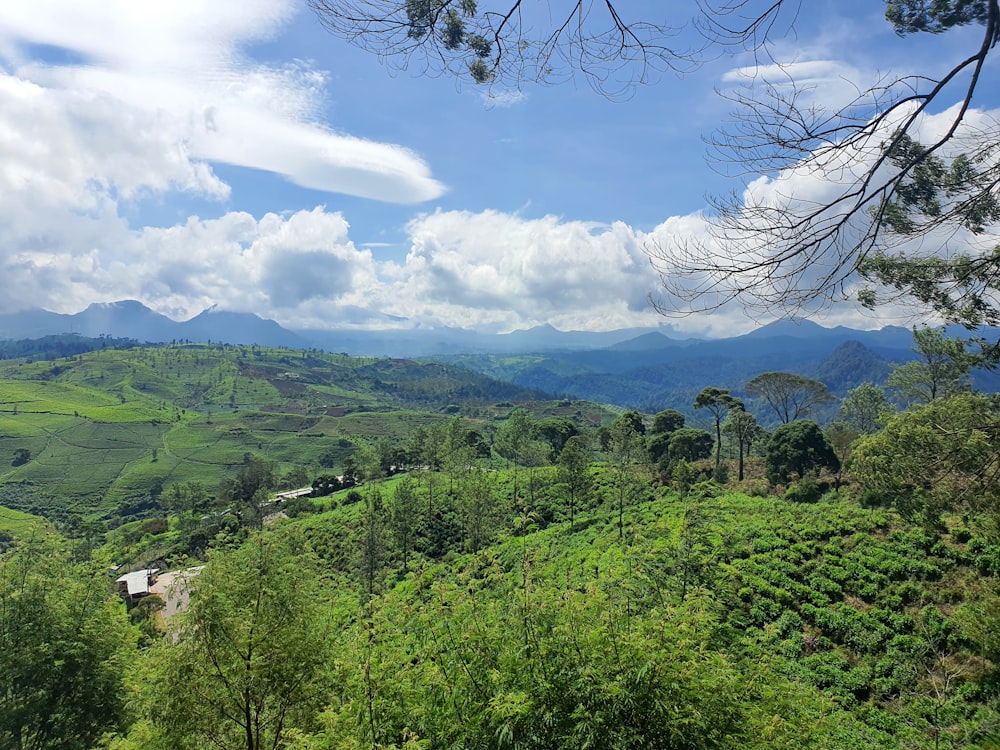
x=137 y=584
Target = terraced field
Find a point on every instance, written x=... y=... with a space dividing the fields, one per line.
x=107 y=430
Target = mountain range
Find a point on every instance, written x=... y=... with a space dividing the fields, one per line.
x=644 y=368
x=132 y=319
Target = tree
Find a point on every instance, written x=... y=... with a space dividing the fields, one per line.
x=506 y=45
x=627 y=449
x=478 y=508
x=865 y=407
x=573 y=473
x=719 y=402
x=403 y=517
x=745 y=431
x=187 y=498
x=247 y=664
x=791 y=396
x=770 y=248
x=513 y=437
x=633 y=421
x=941 y=368
x=248 y=491
x=371 y=542
x=943 y=455
x=797 y=448
x=556 y=431
x=666 y=422
x=21 y=457
x=775 y=251
x=690 y=445
x=62 y=645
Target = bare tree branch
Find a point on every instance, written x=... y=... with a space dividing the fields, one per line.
x=775 y=250
x=508 y=44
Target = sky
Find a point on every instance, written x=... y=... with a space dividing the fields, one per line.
x=233 y=153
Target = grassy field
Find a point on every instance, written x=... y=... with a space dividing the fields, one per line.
x=105 y=428
x=17 y=525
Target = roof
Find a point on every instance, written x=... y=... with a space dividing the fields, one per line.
x=137 y=582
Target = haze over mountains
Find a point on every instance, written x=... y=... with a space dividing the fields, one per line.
x=634 y=368
x=132 y=319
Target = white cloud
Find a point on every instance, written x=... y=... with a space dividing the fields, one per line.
x=505 y=271
x=154 y=91
x=157 y=93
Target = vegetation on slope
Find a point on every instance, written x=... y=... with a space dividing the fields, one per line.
x=549 y=585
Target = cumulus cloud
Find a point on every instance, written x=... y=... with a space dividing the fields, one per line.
x=520 y=271
x=145 y=98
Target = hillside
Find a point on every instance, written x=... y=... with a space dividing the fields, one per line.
x=710 y=620
x=108 y=429
x=651 y=373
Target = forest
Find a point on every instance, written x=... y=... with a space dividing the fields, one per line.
x=511 y=573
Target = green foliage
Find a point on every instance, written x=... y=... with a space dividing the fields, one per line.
x=573 y=467
x=941 y=369
x=912 y=16
x=666 y=422
x=689 y=444
x=865 y=408
x=556 y=431
x=62 y=642
x=246 y=663
x=960 y=288
x=718 y=402
x=796 y=449
x=247 y=492
x=791 y=396
x=514 y=436
x=932 y=458
x=743 y=428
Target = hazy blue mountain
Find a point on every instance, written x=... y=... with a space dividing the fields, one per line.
x=850 y=365
x=645 y=368
x=131 y=319
x=239 y=328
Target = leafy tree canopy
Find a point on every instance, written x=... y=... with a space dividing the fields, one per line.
x=62 y=642
x=796 y=449
x=667 y=421
x=865 y=407
x=941 y=368
x=690 y=444
x=248 y=659
x=938 y=456
x=791 y=396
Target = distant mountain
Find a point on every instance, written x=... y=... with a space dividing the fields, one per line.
x=240 y=328
x=432 y=342
x=133 y=320
x=850 y=365
x=651 y=372
x=585 y=364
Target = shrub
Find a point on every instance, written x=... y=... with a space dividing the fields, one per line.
x=797 y=448
x=806 y=490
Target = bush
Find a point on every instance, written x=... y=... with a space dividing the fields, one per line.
x=797 y=448
x=154 y=526
x=806 y=490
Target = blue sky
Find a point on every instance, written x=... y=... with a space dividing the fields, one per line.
x=190 y=154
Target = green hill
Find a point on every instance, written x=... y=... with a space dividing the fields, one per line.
x=104 y=431
x=716 y=620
